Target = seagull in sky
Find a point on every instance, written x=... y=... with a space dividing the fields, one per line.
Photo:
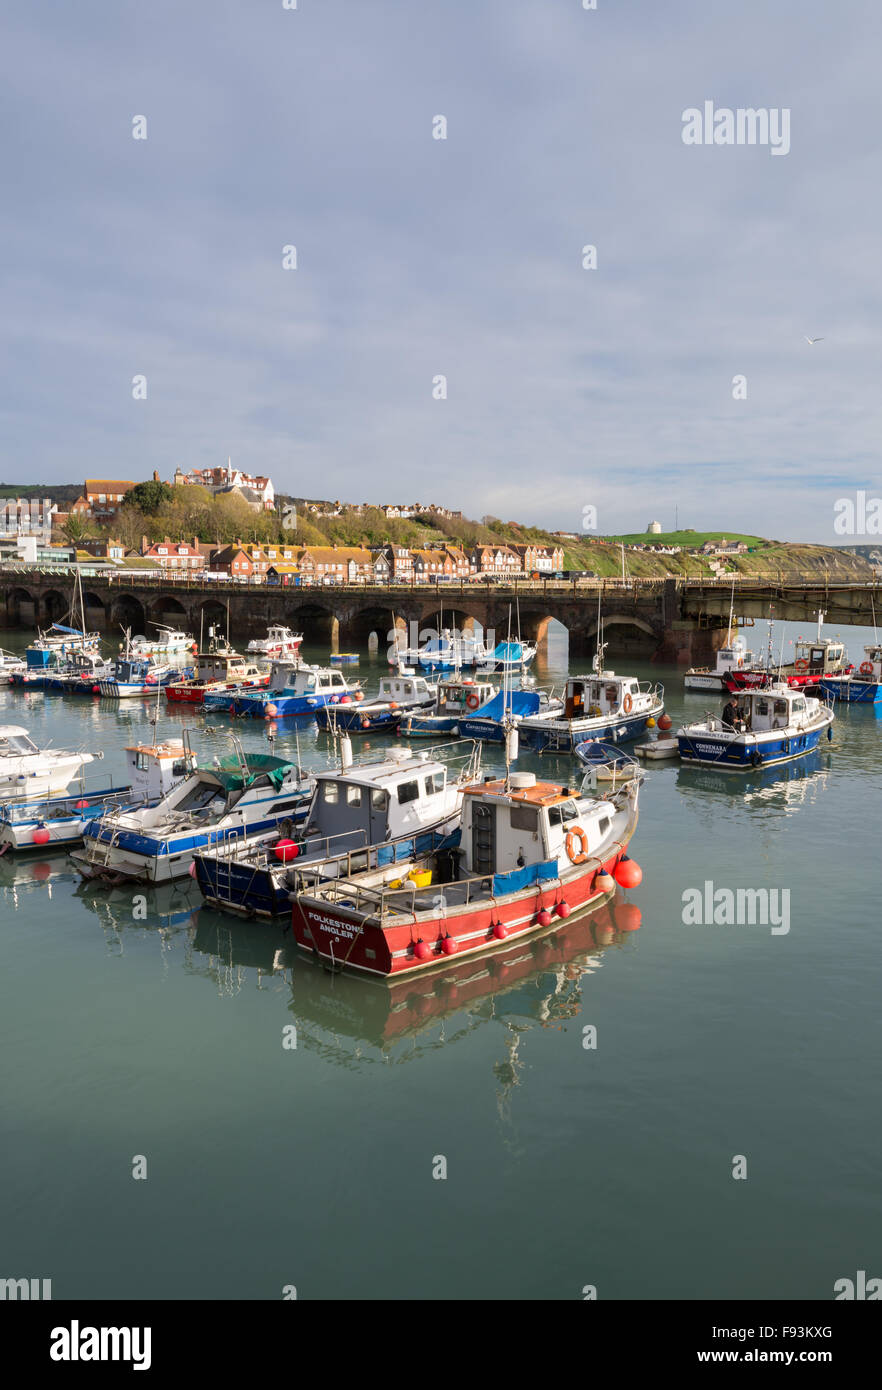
x=811 y=341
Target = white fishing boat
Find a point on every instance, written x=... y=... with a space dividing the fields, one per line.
x=603 y=706
x=239 y=796
x=26 y=770
x=48 y=821
x=279 y=643
x=734 y=656
x=9 y=665
x=172 y=647
x=396 y=696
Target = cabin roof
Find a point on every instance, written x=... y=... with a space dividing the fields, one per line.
x=540 y=794
x=383 y=772
x=159 y=750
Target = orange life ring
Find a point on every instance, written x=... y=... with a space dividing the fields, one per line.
x=627 y=704
x=472 y=700
x=802 y=664
x=866 y=668
x=574 y=835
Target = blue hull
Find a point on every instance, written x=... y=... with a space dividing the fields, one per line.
x=283 y=706
x=739 y=757
x=428 y=726
x=854 y=692
x=567 y=740
x=263 y=891
x=348 y=719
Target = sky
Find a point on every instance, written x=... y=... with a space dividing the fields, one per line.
x=567 y=388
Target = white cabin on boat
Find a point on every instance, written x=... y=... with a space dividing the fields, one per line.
x=400 y=796
x=531 y=823
x=154 y=768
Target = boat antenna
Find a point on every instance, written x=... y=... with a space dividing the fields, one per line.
x=731 y=610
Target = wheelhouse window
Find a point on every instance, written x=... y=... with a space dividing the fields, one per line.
x=330 y=793
x=353 y=796
x=378 y=798
x=408 y=791
x=523 y=817
x=434 y=783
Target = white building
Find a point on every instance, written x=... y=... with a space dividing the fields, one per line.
x=258 y=491
x=654 y=528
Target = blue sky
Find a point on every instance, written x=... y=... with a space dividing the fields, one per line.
x=418 y=257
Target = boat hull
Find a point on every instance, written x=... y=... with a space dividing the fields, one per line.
x=851 y=692
x=335 y=936
x=743 y=755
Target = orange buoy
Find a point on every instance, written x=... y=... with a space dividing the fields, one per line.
x=271 y=710
x=604 y=882
x=628 y=873
x=664 y=722
x=628 y=917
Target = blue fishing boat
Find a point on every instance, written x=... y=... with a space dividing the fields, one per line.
x=510 y=656
x=366 y=815
x=292 y=690
x=861 y=687
x=136 y=675
x=455 y=700
x=775 y=725
x=396 y=696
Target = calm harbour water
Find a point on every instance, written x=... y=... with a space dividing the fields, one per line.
x=566 y=1167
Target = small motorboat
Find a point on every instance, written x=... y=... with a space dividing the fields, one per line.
x=10 y=664
x=28 y=771
x=293 y=690
x=733 y=657
x=396 y=695
x=606 y=762
x=279 y=644
x=454 y=700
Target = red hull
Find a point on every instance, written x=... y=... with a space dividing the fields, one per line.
x=195 y=694
x=343 y=941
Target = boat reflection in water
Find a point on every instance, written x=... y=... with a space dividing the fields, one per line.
x=535 y=982
x=22 y=876
x=168 y=910
x=786 y=786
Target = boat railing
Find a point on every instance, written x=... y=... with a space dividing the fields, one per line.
x=365 y=859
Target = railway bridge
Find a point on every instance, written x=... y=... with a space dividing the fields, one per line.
x=674 y=620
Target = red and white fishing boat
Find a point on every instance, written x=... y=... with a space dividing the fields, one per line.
x=530 y=853
x=219 y=667
x=279 y=643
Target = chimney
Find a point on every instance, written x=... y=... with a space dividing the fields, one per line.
x=145 y=545
x=195 y=542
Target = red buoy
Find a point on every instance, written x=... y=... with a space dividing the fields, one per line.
x=563 y=909
x=449 y=946
x=628 y=873
x=500 y=931
x=422 y=950
x=285 y=850
x=96 y=690
x=544 y=918
x=271 y=711
x=664 y=722
x=41 y=835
